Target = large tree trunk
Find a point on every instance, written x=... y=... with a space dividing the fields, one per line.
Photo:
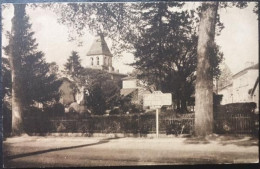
x=204 y=80
x=15 y=63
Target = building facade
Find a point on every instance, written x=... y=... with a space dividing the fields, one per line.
x=243 y=87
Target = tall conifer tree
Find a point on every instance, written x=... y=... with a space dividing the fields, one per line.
x=32 y=81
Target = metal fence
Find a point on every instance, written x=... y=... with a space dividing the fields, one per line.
x=140 y=124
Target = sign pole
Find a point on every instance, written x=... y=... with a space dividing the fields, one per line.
x=157 y=122
x=156 y=100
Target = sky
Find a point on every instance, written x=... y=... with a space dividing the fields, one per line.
x=238 y=40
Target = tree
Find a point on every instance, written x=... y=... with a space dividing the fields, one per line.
x=73 y=70
x=166 y=50
x=40 y=84
x=32 y=81
x=102 y=91
x=15 y=63
x=204 y=81
x=153 y=41
x=73 y=66
x=6 y=99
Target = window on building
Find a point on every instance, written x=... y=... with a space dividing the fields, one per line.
x=92 y=62
x=97 y=60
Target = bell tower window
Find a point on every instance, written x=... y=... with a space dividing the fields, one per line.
x=97 y=60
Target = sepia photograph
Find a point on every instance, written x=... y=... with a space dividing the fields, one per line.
x=159 y=83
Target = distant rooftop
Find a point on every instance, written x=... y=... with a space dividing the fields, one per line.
x=129 y=78
x=127 y=91
x=99 y=47
x=255 y=66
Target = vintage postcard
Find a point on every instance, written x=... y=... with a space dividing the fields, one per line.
x=129 y=83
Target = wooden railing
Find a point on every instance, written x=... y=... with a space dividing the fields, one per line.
x=236 y=123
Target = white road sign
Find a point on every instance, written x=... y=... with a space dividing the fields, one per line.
x=157 y=98
x=155 y=101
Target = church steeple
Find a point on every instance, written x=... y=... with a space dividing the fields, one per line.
x=99 y=54
x=99 y=46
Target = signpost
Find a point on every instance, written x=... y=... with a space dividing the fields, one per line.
x=155 y=101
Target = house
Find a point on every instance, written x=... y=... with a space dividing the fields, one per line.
x=240 y=87
x=131 y=86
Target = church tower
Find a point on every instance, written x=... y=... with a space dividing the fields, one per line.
x=99 y=55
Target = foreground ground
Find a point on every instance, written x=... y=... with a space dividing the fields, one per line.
x=50 y=151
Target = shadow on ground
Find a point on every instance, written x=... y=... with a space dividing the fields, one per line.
x=239 y=140
x=196 y=140
x=103 y=141
x=245 y=141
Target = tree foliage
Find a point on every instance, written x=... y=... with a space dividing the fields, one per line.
x=161 y=35
x=6 y=78
x=73 y=70
x=37 y=82
x=166 y=50
x=73 y=66
x=102 y=91
x=116 y=20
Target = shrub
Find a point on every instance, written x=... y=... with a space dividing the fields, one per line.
x=236 y=108
x=116 y=111
x=56 y=109
x=136 y=109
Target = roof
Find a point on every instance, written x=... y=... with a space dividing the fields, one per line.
x=129 y=78
x=127 y=91
x=256 y=66
x=116 y=73
x=99 y=47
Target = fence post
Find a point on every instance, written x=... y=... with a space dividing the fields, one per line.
x=157 y=122
x=138 y=125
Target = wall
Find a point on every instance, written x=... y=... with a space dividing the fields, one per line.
x=239 y=90
x=242 y=84
x=227 y=95
x=86 y=60
x=129 y=84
